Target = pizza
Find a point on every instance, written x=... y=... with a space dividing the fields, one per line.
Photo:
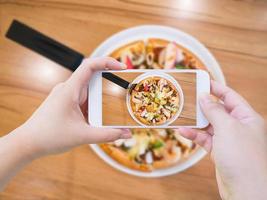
x=151 y=149
x=154 y=101
x=156 y=54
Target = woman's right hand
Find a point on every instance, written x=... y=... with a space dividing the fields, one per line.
x=237 y=140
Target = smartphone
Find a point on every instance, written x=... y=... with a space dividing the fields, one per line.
x=147 y=98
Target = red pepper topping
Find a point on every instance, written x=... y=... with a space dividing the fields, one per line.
x=146 y=88
x=129 y=63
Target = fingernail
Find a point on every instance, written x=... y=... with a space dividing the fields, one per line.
x=126 y=133
x=123 y=66
x=126 y=136
x=182 y=129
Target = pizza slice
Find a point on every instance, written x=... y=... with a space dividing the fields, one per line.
x=133 y=54
x=150 y=149
x=170 y=55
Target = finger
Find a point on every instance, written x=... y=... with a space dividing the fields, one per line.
x=84 y=109
x=202 y=139
x=209 y=129
x=230 y=98
x=214 y=111
x=99 y=135
x=83 y=73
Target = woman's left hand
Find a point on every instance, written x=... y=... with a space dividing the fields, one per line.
x=60 y=123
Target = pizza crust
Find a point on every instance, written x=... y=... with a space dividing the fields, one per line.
x=123 y=158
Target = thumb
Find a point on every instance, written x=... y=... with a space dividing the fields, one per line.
x=99 y=135
x=213 y=110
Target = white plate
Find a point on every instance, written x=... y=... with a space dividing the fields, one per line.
x=181 y=38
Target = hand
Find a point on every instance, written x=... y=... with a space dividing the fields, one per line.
x=237 y=140
x=60 y=122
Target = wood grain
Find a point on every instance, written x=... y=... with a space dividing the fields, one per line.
x=115 y=111
x=234 y=31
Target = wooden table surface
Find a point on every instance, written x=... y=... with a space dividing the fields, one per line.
x=234 y=31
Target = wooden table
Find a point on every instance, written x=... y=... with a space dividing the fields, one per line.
x=234 y=31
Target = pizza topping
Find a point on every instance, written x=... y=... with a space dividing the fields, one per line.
x=130 y=142
x=178 y=66
x=157 y=144
x=179 y=55
x=138 y=59
x=170 y=56
x=158 y=154
x=132 y=58
x=155 y=100
x=133 y=152
x=182 y=140
x=162 y=56
x=156 y=66
x=119 y=142
x=151 y=145
x=149 y=158
x=142 y=66
x=139 y=146
x=162 y=133
x=177 y=152
x=142 y=149
x=129 y=63
x=150 y=58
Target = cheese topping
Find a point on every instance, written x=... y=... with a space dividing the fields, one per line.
x=149 y=145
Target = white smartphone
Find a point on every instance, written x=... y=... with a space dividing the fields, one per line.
x=147 y=98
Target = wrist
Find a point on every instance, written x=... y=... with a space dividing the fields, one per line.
x=15 y=153
x=21 y=142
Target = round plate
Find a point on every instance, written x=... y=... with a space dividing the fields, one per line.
x=167 y=77
x=181 y=38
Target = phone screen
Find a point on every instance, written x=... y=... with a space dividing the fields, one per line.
x=162 y=99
